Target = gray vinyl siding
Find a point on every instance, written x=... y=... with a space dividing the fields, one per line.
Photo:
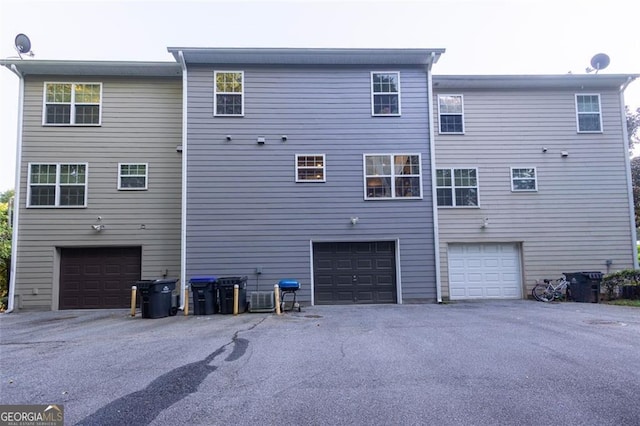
x=245 y=209
x=578 y=219
x=141 y=123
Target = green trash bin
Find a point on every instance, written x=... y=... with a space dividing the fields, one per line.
x=585 y=286
x=225 y=293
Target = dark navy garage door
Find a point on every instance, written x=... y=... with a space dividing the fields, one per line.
x=354 y=272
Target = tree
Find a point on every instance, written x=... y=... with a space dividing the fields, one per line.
x=5 y=250
x=633 y=126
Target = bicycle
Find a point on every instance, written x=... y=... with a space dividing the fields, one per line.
x=550 y=290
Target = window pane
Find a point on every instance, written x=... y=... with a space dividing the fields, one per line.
x=43 y=196
x=229 y=104
x=466 y=197
x=589 y=122
x=43 y=173
x=58 y=114
x=407 y=165
x=588 y=103
x=133 y=182
x=72 y=174
x=229 y=82
x=443 y=177
x=72 y=195
x=444 y=197
x=87 y=93
x=408 y=187
x=524 y=185
x=378 y=165
x=58 y=93
x=523 y=173
x=89 y=114
x=310 y=174
x=385 y=83
x=451 y=123
x=385 y=104
x=450 y=104
x=465 y=177
x=379 y=187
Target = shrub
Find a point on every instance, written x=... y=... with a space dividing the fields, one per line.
x=612 y=282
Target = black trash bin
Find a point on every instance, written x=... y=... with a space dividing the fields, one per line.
x=225 y=293
x=204 y=292
x=585 y=286
x=156 y=298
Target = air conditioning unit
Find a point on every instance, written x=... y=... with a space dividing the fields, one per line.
x=262 y=301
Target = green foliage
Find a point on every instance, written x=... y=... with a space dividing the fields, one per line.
x=5 y=253
x=5 y=247
x=633 y=126
x=612 y=282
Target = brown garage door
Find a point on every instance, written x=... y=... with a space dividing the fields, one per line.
x=98 y=277
x=354 y=272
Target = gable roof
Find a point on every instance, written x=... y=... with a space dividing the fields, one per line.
x=296 y=56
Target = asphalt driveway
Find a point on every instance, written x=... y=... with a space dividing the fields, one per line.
x=476 y=363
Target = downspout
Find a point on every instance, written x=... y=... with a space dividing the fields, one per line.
x=434 y=198
x=17 y=208
x=183 y=214
x=632 y=215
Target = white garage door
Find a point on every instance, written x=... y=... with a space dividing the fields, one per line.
x=484 y=271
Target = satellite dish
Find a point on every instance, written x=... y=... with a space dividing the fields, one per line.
x=600 y=62
x=23 y=45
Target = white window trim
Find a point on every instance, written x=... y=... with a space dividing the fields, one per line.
x=146 y=177
x=392 y=176
x=73 y=105
x=324 y=168
x=578 y=113
x=373 y=114
x=440 y=114
x=535 y=179
x=216 y=93
x=57 y=185
x=453 y=187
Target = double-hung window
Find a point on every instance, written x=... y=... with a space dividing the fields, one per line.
x=310 y=168
x=588 y=115
x=229 y=93
x=72 y=104
x=389 y=176
x=457 y=187
x=132 y=176
x=451 y=113
x=523 y=179
x=57 y=185
x=385 y=93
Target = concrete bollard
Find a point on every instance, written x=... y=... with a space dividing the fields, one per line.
x=236 y=296
x=276 y=291
x=186 y=301
x=134 y=291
